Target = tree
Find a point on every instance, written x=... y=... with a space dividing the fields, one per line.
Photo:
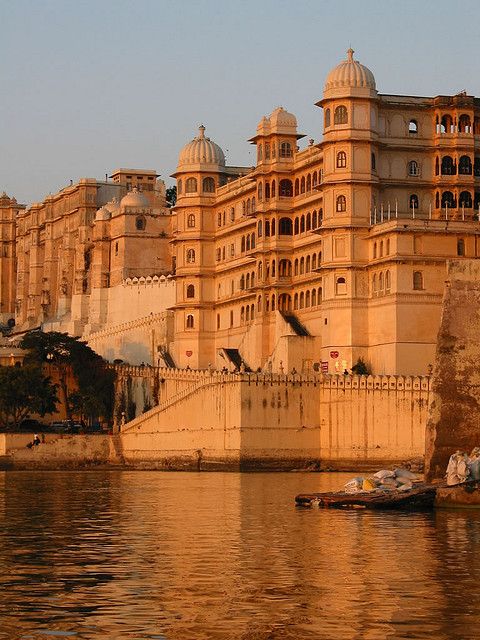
x=24 y=390
x=171 y=196
x=81 y=372
x=360 y=368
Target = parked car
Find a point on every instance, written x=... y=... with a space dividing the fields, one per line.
x=66 y=426
x=29 y=424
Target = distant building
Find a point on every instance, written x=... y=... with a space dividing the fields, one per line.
x=312 y=259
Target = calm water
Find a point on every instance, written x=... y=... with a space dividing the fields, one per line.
x=179 y=556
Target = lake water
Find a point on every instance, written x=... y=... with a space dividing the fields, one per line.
x=226 y=555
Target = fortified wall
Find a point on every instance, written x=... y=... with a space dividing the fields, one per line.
x=213 y=420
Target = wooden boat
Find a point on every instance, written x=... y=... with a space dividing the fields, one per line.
x=419 y=497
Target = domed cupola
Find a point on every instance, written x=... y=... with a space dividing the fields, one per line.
x=201 y=154
x=350 y=78
x=103 y=214
x=134 y=200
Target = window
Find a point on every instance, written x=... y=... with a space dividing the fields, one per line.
x=208 y=185
x=116 y=248
x=191 y=185
x=314 y=179
x=267 y=151
x=341 y=159
x=242 y=282
x=285 y=150
x=259 y=229
x=448 y=199
x=413 y=168
x=418 y=280
x=309 y=183
x=191 y=221
x=140 y=223
x=314 y=298
x=413 y=127
x=267 y=191
x=190 y=323
x=179 y=187
x=297 y=187
x=341 y=115
x=327 y=118
x=465 y=166
x=465 y=200
x=340 y=286
x=314 y=220
x=413 y=201
x=308 y=222
x=242 y=315
x=232 y=250
x=219 y=255
x=460 y=247
x=448 y=166
x=388 y=282
x=232 y=214
x=285 y=188
x=191 y=256
x=190 y=291
x=341 y=203
x=464 y=124
x=302 y=185
x=219 y=219
x=285 y=227
x=374 y=162
x=260 y=152
x=273 y=188
x=296 y=227
x=260 y=192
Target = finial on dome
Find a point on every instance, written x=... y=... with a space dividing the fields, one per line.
x=350 y=53
x=201 y=130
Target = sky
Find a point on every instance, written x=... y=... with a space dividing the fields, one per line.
x=90 y=86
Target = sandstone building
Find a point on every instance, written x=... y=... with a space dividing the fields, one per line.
x=311 y=259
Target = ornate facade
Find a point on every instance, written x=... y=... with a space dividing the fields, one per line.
x=311 y=259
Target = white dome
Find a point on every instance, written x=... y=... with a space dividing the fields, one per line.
x=103 y=214
x=111 y=206
x=200 y=151
x=134 y=200
x=349 y=78
x=282 y=118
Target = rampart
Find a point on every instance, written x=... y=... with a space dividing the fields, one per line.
x=252 y=421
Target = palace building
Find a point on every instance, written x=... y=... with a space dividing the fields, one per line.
x=310 y=260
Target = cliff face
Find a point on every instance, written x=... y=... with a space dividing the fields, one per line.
x=454 y=420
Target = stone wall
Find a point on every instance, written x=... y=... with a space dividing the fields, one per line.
x=455 y=410
x=273 y=421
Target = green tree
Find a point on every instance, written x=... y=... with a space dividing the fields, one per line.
x=24 y=390
x=93 y=381
x=171 y=196
x=360 y=368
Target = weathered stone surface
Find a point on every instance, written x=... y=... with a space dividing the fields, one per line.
x=454 y=420
x=462 y=495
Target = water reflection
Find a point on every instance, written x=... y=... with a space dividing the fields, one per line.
x=179 y=556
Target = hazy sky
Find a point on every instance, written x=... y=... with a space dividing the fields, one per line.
x=89 y=86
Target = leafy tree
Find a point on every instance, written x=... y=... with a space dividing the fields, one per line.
x=92 y=386
x=171 y=196
x=360 y=368
x=24 y=390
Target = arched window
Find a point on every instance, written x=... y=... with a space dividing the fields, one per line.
x=208 y=185
x=388 y=283
x=464 y=124
x=374 y=162
x=219 y=254
x=437 y=166
x=307 y=299
x=314 y=220
x=381 y=249
x=242 y=245
x=307 y=265
x=190 y=220
x=191 y=185
x=273 y=303
x=314 y=179
x=460 y=247
x=413 y=201
x=446 y=124
x=465 y=199
x=437 y=200
x=340 y=286
x=340 y=115
x=190 y=323
x=190 y=256
x=413 y=126
x=327 y=118
x=260 y=228
x=295 y=267
x=219 y=219
x=248 y=243
x=374 y=250
x=314 y=298
x=252 y=241
x=267 y=191
x=260 y=192
x=242 y=282
x=242 y=315
x=285 y=150
x=253 y=204
x=252 y=279
x=302 y=300
x=259 y=304
x=247 y=281
x=308 y=225
x=267 y=228
x=388 y=247
x=374 y=284
x=140 y=223
x=273 y=188
x=302 y=185
x=413 y=168
x=418 y=280
x=314 y=262
x=179 y=187
x=190 y=291
x=297 y=187
x=286 y=188
x=381 y=283
x=272 y=228
x=319 y=294
x=295 y=301
x=341 y=203
x=302 y=224
x=465 y=166
x=448 y=166
x=260 y=271
x=296 y=227
x=247 y=209
x=218 y=321
x=309 y=183
x=302 y=265
x=259 y=152
x=448 y=199
x=285 y=227
x=341 y=159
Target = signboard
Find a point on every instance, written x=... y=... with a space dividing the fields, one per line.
x=189 y=353
x=324 y=367
x=334 y=354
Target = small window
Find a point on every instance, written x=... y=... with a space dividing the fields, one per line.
x=341 y=160
x=413 y=168
x=260 y=152
x=418 y=280
x=413 y=201
x=191 y=256
x=190 y=322
x=191 y=185
x=208 y=185
x=140 y=223
x=190 y=291
x=191 y=221
x=374 y=162
x=460 y=247
x=327 y=118
x=285 y=150
x=341 y=203
x=285 y=188
x=340 y=115
x=116 y=248
x=340 y=286
x=465 y=200
x=285 y=227
x=179 y=187
x=413 y=127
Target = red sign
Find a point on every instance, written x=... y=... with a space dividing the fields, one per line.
x=334 y=354
x=189 y=353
